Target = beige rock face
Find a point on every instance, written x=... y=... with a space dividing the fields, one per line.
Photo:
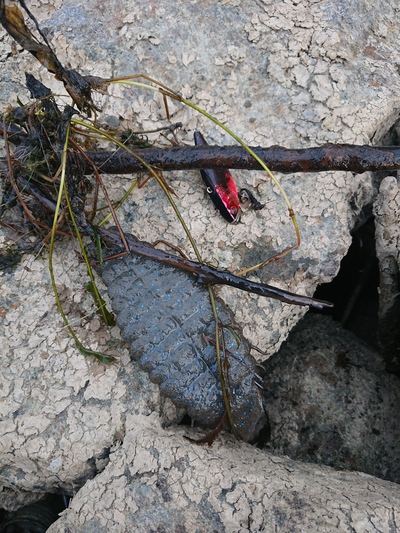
x=294 y=73
x=157 y=480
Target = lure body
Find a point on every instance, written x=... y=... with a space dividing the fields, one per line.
x=165 y=314
x=221 y=187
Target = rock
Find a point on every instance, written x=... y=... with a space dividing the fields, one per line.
x=294 y=85
x=157 y=481
x=330 y=401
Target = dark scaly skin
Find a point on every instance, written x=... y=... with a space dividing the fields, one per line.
x=163 y=312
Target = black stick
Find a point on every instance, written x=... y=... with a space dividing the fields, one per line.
x=209 y=275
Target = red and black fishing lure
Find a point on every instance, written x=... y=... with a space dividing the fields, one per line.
x=220 y=187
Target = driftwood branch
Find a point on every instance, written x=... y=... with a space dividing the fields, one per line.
x=349 y=157
x=352 y=158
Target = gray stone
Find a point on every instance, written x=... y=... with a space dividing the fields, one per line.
x=330 y=401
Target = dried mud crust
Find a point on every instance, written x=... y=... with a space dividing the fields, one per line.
x=166 y=316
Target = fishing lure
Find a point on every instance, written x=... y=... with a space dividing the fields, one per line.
x=221 y=187
x=165 y=315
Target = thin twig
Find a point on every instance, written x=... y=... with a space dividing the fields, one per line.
x=209 y=275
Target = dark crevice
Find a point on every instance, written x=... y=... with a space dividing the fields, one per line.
x=354 y=291
x=36 y=517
